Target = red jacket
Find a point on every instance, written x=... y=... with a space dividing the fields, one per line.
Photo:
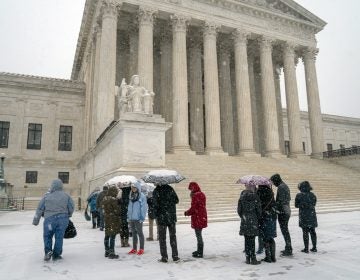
x=197 y=210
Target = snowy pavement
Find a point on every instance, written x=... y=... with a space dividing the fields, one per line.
x=21 y=253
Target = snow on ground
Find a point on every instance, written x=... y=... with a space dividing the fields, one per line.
x=21 y=253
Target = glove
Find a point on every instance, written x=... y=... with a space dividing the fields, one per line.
x=36 y=221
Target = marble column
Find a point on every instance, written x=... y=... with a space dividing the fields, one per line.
x=146 y=47
x=133 y=50
x=196 y=96
x=292 y=101
x=272 y=148
x=279 y=109
x=226 y=112
x=166 y=84
x=107 y=66
x=245 y=126
x=51 y=131
x=20 y=140
x=211 y=81
x=180 y=85
x=312 y=89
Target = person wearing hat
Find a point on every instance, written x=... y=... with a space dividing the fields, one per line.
x=99 y=208
x=284 y=212
x=91 y=200
x=56 y=207
x=306 y=201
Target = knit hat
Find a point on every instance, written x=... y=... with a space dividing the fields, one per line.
x=276 y=179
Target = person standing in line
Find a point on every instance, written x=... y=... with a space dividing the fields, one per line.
x=249 y=210
x=284 y=212
x=111 y=208
x=198 y=215
x=267 y=221
x=165 y=200
x=56 y=207
x=306 y=201
x=124 y=232
x=99 y=208
x=136 y=216
x=91 y=200
x=151 y=216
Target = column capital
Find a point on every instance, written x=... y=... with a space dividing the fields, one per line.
x=109 y=8
x=265 y=42
x=146 y=15
x=289 y=49
x=240 y=36
x=310 y=53
x=179 y=22
x=211 y=28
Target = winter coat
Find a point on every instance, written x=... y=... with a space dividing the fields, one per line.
x=197 y=210
x=249 y=210
x=111 y=209
x=306 y=201
x=100 y=198
x=151 y=213
x=125 y=203
x=54 y=202
x=165 y=200
x=267 y=221
x=283 y=200
x=91 y=200
x=137 y=208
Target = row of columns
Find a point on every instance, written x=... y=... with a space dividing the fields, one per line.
x=106 y=52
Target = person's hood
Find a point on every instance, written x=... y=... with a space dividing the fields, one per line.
x=137 y=185
x=112 y=191
x=276 y=179
x=194 y=187
x=56 y=185
x=305 y=186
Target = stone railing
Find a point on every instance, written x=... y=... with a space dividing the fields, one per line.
x=355 y=150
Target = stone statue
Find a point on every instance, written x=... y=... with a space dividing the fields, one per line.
x=136 y=93
x=123 y=97
x=148 y=102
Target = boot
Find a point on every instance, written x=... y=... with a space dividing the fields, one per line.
x=267 y=253
x=199 y=252
x=247 y=260
x=126 y=242
x=273 y=250
x=112 y=255
x=194 y=253
x=106 y=253
x=254 y=261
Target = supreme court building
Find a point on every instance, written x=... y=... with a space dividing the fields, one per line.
x=214 y=67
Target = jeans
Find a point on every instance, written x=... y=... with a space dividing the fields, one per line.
x=137 y=230
x=109 y=243
x=95 y=216
x=162 y=240
x=101 y=218
x=55 y=225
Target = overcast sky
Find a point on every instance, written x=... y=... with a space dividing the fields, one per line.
x=38 y=37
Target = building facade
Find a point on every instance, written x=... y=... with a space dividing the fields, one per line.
x=214 y=66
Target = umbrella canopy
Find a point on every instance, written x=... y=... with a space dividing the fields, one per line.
x=146 y=188
x=121 y=181
x=254 y=180
x=163 y=177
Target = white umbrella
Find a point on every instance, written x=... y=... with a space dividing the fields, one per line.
x=254 y=180
x=163 y=177
x=122 y=180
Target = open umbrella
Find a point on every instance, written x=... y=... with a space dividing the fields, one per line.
x=254 y=180
x=163 y=177
x=121 y=181
x=146 y=188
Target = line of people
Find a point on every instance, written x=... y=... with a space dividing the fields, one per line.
x=117 y=208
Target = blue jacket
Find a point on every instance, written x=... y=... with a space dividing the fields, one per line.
x=92 y=199
x=54 y=202
x=137 y=209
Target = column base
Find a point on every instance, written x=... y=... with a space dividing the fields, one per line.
x=215 y=152
x=247 y=153
x=182 y=150
x=297 y=155
x=274 y=154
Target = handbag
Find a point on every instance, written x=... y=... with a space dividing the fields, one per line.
x=70 y=231
x=86 y=214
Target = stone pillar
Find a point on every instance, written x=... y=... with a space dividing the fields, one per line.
x=146 y=47
x=211 y=80
x=51 y=131
x=166 y=85
x=312 y=89
x=245 y=127
x=19 y=127
x=226 y=112
x=133 y=50
x=279 y=109
x=180 y=85
x=272 y=148
x=196 y=96
x=292 y=101
x=107 y=67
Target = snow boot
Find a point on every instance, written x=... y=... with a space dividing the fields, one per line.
x=112 y=255
x=254 y=261
x=273 y=251
x=48 y=256
x=267 y=253
x=107 y=253
x=247 y=260
x=199 y=253
x=313 y=249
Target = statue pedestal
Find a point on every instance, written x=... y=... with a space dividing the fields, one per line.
x=137 y=140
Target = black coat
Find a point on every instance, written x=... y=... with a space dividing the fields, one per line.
x=165 y=200
x=283 y=200
x=151 y=212
x=306 y=202
x=249 y=210
x=124 y=203
x=268 y=215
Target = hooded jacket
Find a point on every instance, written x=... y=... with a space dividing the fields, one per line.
x=92 y=199
x=54 y=202
x=111 y=209
x=165 y=200
x=137 y=209
x=197 y=210
x=306 y=201
x=249 y=210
